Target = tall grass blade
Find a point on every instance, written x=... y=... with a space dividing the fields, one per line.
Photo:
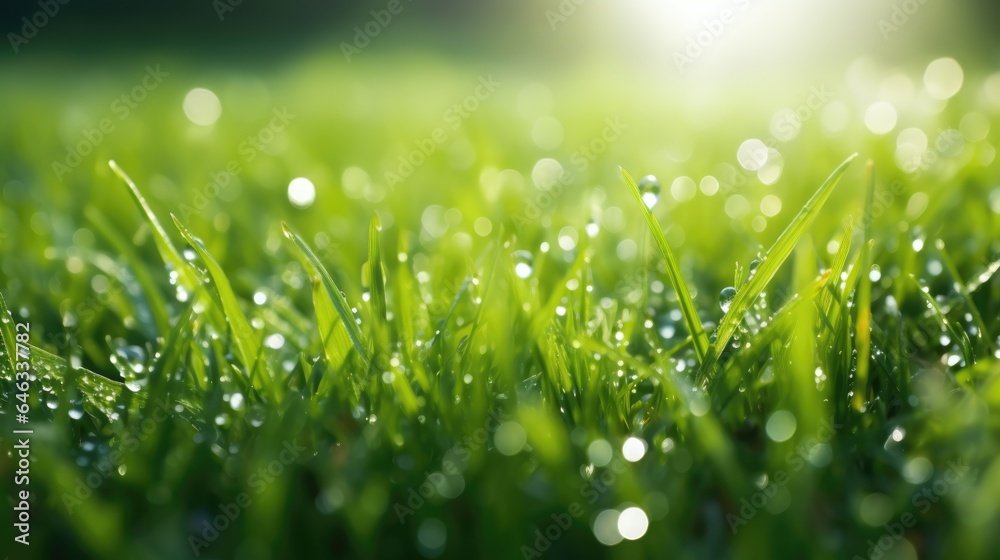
x=186 y=277
x=377 y=283
x=332 y=296
x=248 y=342
x=769 y=266
x=688 y=309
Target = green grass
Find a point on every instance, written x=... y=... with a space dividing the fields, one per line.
x=381 y=331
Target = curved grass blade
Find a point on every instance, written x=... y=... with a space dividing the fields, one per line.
x=724 y=387
x=248 y=343
x=100 y=392
x=769 y=266
x=688 y=310
x=334 y=297
x=168 y=252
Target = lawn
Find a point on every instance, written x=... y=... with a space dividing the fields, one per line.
x=419 y=309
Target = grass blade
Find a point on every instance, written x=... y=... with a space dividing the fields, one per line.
x=248 y=343
x=377 y=283
x=333 y=296
x=7 y=336
x=723 y=388
x=688 y=310
x=168 y=252
x=769 y=266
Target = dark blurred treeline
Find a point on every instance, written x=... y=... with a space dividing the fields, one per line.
x=262 y=26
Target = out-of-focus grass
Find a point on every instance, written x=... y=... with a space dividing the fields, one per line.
x=487 y=287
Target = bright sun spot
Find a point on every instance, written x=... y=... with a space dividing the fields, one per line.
x=301 y=192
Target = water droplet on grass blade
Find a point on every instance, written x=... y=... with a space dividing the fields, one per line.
x=523 y=263
x=649 y=188
x=132 y=356
x=726 y=298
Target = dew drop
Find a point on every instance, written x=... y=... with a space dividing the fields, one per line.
x=649 y=189
x=133 y=357
x=523 y=263
x=726 y=298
